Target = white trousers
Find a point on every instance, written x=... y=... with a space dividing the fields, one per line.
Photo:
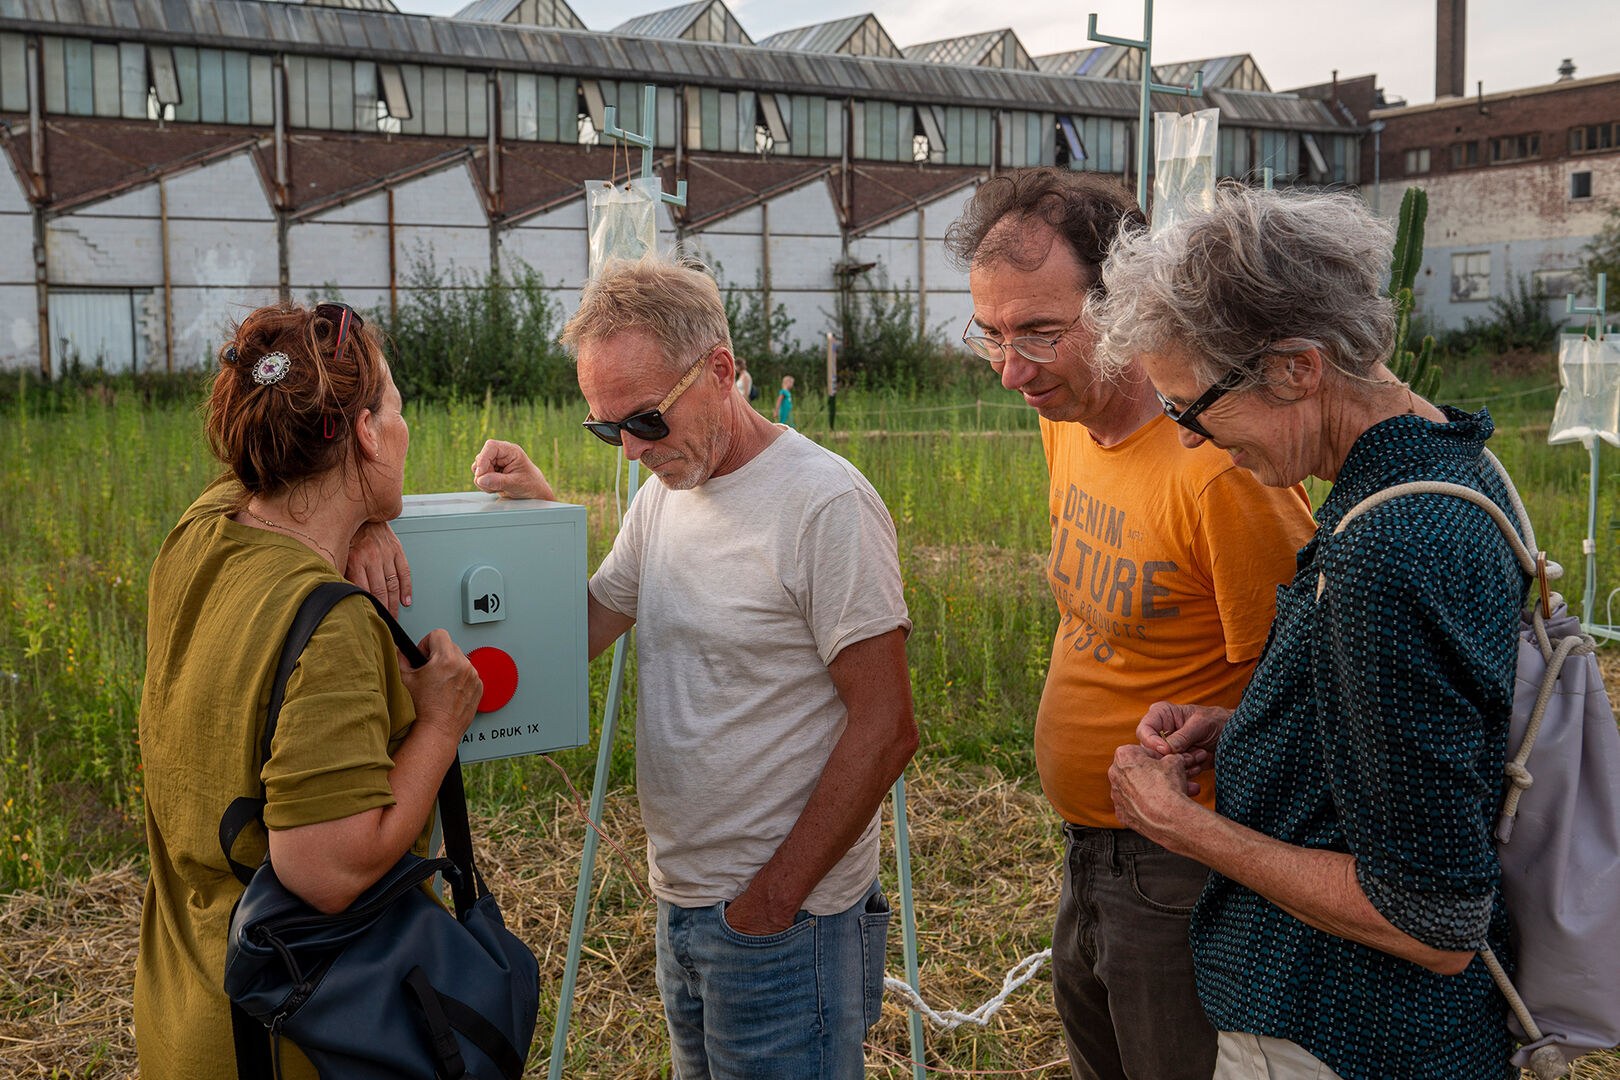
x=1241 y=1056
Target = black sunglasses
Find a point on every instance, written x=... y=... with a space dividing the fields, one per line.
x=648 y=426
x=1188 y=417
x=347 y=320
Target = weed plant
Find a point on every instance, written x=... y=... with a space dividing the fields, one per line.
x=91 y=483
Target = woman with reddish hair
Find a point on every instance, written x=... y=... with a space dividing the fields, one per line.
x=306 y=419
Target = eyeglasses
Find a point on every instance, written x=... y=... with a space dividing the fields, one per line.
x=347 y=319
x=1041 y=350
x=648 y=426
x=1188 y=417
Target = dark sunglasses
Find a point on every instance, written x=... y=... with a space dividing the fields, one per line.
x=648 y=426
x=347 y=321
x=1188 y=417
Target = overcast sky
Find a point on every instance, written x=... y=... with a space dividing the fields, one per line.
x=1511 y=44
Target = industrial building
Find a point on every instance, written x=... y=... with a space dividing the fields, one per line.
x=172 y=163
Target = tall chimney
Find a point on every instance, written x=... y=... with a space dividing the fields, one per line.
x=1451 y=25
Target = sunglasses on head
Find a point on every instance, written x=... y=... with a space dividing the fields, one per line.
x=648 y=426
x=345 y=318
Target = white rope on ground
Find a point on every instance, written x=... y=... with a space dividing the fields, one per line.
x=950 y=1019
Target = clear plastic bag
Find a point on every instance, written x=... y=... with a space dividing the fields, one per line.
x=1184 y=148
x=621 y=220
x=1589 y=404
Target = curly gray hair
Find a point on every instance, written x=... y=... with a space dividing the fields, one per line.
x=1265 y=273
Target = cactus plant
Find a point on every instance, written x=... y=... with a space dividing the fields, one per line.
x=1416 y=369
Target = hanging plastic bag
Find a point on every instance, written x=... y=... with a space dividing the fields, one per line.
x=1589 y=404
x=622 y=220
x=1183 y=165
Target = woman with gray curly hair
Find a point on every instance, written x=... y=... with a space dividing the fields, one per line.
x=1354 y=876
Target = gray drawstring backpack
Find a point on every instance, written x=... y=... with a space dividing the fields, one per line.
x=1558 y=833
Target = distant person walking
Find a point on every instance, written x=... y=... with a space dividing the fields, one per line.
x=784 y=402
x=745 y=382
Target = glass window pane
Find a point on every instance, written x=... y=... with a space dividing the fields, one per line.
x=297 y=93
x=185 y=70
x=318 y=80
x=211 y=85
x=537 y=107
x=411 y=79
x=55 y=75
x=237 y=110
x=261 y=91
x=104 y=75
x=455 y=101
x=14 y=73
x=728 y=123
x=629 y=102
x=666 y=116
x=509 y=85
x=835 y=128
x=433 y=101
x=567 y=112
x=80 y=77
x=477 y=104
x=132 y=81
x=364 y=89
x=340 y=82
x=391 y=81
x=711 y=118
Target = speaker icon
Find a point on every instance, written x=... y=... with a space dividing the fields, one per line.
x=489 y=604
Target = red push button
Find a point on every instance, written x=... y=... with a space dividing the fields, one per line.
x=500 y=675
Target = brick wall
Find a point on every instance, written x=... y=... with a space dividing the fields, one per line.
x=1547 y=111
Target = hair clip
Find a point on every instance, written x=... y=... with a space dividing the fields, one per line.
x=230 y=355
x=271 y=369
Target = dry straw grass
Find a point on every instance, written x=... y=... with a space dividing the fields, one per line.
x=985 y=857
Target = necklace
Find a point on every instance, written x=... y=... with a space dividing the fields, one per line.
x=288 y=528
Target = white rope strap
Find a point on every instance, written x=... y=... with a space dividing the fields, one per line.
x=1519 y=776
x=950 y=1019
x=1436 y=487
x=1515 y=1002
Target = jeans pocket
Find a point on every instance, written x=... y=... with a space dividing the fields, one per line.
x=802 y=922
x=874 y=953
x=1165 y=881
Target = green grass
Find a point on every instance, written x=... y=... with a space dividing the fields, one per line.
x=89 y=488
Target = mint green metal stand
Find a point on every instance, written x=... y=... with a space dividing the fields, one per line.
x=1589 y=621
x=908 y=922
x=610 y=715
x=1149 y=87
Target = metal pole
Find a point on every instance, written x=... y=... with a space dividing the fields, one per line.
x=587 y=867
x=168 y=289
x=908 y=922
x=610 y=712
x=1149 y=87
x=1142 y=115
x=1589 y=589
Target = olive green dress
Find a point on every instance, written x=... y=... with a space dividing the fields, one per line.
x=222 y=598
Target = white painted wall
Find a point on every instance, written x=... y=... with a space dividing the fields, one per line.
x=1522 y=216
x=19 y=321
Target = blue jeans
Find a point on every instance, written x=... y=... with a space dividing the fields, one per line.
x=794 y=1005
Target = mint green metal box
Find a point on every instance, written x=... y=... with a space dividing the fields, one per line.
x=506 y=574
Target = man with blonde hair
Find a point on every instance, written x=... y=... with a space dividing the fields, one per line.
x=774 y=704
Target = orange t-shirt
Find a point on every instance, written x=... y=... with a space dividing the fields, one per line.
x=1165 y=565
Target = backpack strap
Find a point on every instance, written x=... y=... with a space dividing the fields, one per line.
x=1545 y=1061
x=452 y=795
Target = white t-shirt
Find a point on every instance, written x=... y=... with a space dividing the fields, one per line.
x=743 y=590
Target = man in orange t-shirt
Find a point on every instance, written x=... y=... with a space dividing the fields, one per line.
x=1165 y=564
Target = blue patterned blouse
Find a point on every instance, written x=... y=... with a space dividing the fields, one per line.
x=1376 y=724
